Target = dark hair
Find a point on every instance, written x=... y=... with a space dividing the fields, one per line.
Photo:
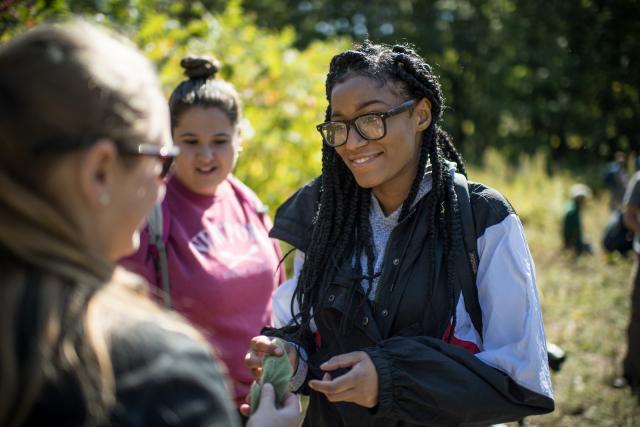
x=202 y=90
x=341 y=227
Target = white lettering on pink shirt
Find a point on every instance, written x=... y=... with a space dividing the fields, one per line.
x=225 y=235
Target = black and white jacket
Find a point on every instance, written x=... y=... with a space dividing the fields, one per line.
x=498 y=375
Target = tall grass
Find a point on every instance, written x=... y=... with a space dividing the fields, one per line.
x=585 y=300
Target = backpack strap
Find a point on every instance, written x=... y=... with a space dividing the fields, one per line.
x=468 y=265
x=155 y=226
x=242 y=194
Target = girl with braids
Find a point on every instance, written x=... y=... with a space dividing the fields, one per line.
x=222 y=266
x=379 y=330
x=84 y=147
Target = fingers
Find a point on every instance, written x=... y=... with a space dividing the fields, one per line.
x=342 y=389
x=267 y=396
x=338 y=385
x=359 y=385
x=343 y=396
x=291 y=405
x=290 y=399
x=245 y=409
x=264 y=345
x=268 y=415
x=346 y=360
x=253 y=361
x=259 y=347
x=256 y=373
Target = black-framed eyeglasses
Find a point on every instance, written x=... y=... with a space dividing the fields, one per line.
x=370 y=126
x=165 y=154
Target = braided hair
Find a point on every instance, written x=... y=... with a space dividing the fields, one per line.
x=341 y=226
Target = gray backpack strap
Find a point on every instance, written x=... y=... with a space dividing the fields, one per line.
x=467 y=273
x=155 y=225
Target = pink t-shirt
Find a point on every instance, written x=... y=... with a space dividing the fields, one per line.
x=222 y=268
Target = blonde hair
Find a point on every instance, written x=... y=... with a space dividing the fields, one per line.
x=62 y=87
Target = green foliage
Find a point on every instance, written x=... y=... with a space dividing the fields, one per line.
x=277 y=371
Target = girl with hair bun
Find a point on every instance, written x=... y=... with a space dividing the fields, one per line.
x=414 y=299
x=222 y=265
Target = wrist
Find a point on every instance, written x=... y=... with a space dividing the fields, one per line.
x=298 y=359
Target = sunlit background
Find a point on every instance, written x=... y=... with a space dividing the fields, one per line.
x=539 y=95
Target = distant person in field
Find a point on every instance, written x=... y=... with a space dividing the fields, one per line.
x=631 y=364
x=616 y=178
x=222 y=265
x=381 y=314
x=572 y=231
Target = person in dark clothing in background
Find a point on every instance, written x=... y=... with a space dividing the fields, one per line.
x=572 y=220
x=616 y=179
x=378 y=315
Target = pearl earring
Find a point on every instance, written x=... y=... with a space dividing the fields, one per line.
x=104 y=199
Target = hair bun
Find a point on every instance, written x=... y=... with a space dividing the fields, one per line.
x=200 y=67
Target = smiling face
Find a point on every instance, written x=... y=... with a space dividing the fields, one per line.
x=388 y=165
x=209 y=145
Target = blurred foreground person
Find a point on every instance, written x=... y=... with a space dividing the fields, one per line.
x=84 y=145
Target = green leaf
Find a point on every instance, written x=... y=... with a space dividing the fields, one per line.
x=276 y=370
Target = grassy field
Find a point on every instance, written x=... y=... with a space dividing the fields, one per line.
x=585 y=300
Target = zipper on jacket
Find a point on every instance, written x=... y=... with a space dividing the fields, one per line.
x=474 y=262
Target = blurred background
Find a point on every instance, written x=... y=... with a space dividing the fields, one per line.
x=539 y=94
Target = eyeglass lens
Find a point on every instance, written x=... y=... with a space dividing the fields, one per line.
x=369 y=126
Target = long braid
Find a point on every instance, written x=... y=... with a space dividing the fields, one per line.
x=437 y=186
x=306 y=292
x=451 y=152
x=453 y=246
x=364 y=235
x=427 y=139
x=341 y=228
x=365 y=232
x=455 y=228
